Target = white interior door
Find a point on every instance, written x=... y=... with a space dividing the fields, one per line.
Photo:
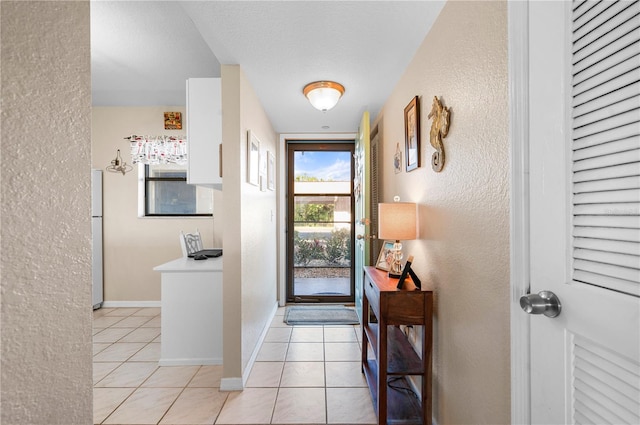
x=584 y=183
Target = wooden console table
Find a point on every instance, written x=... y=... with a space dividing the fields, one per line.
x=395 y=360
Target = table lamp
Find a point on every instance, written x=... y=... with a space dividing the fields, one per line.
x=397 y=221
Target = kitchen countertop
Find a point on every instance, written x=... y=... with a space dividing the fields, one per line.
x=185 y=264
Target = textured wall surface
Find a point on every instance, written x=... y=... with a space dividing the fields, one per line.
x=463 y=249
x=133 y=246
x=45 y=239
x=249 y=229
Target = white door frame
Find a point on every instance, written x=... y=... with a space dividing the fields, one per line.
x=281 y=177
x=518 y=55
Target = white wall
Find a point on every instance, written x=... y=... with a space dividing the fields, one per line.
x=463 y=250
x=249 y=234
x=45 y=229
x=133 y=246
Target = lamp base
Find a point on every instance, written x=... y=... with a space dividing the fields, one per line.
x=395 y=275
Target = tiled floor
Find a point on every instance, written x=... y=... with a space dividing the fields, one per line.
x=303 y=375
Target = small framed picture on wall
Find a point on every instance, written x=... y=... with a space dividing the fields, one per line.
x=253 y=159
x=271 y=171
x=412 y=134
x=173 y=121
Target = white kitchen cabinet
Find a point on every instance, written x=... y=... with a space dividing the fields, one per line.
x=204 y=132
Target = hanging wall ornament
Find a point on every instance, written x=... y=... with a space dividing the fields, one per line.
x=397 y=159
x=439 y=130
x=118 y=165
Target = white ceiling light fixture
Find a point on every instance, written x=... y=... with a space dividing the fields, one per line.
x=323 y=95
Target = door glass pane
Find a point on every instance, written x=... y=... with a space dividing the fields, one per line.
x=322 y=224
x=322 y=248
x=322 y=172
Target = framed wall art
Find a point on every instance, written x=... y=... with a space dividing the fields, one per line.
x=173 y=121
x=271 y=171
x=253 y=159
x=412 y=134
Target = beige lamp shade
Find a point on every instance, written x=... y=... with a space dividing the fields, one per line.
x=397 y=221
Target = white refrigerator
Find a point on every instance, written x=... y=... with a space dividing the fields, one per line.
x=96 y=233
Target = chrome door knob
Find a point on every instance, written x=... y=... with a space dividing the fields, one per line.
x=544 y=302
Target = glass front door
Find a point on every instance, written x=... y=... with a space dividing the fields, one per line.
x=319 y=224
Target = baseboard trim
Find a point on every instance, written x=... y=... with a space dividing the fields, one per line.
x=231 y=384
x=256 y=349
x=237 y=384
x=131 y=304
x=190 y=362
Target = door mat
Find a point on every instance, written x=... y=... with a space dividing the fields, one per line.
x=320 y=315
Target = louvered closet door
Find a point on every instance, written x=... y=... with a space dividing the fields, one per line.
x=606 y=145
x=585 y=210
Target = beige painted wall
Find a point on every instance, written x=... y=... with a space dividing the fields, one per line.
x=259 y=262
x=45 y=231
x=133 y=246
x=463 y=250
x=250 y=225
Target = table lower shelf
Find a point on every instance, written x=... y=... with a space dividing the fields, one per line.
x=403 y=406
x=402 y=358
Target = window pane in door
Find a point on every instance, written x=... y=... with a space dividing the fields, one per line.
x=321 y=220
x=329 y=170
x=322 y=245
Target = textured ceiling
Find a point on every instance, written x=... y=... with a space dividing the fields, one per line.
x=142 y=52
